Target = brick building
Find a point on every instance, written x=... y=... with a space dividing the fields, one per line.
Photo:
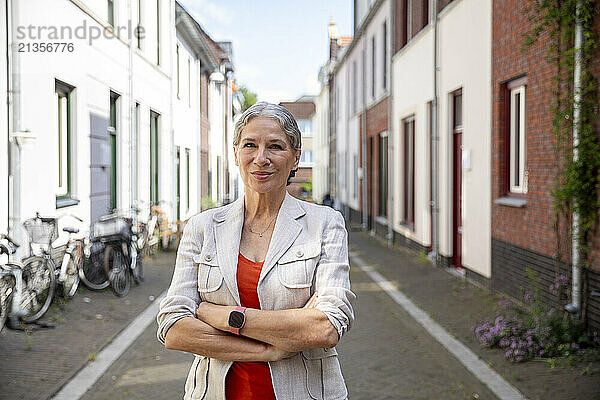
x=523 y=232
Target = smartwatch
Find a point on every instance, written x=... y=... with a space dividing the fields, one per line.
x=237 y=318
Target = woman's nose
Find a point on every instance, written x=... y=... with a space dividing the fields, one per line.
x=261 y=156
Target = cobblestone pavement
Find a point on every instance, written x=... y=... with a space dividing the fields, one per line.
x=37 y=365
x=458 y=306
x=387 y=355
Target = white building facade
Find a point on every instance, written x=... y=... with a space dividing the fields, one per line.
x=111 y=117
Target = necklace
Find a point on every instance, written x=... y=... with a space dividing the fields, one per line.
x=260 y=234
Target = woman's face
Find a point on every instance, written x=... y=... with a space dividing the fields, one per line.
x=265 y=155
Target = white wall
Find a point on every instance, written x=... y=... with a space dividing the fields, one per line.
x=465 y=62
x=320 y=124
x=94 y=70
x=186 y=126
x=3 y=127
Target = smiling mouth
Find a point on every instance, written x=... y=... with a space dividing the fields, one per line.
x=261 y=175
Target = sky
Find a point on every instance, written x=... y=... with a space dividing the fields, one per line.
x=278 y=45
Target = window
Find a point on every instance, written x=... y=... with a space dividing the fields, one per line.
x=355 y=87
x=305 y=126
x=154 y=128
x=112 y=130
x=383 y=173
x=136 y=166
x=425 y=12
x=404 y=22
x=355 y=185
x=111 y=12
x=139 y=25
x=517 y=138
x=62 y=93
x=306 y=157
x=157 y=32
x=187 y=179
x=177 y=73
x=189 y=78
x=408 y=147
x=373 y=63
x=178 y=182
x=384 y=58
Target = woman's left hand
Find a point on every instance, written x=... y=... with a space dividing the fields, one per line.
x=215 y=315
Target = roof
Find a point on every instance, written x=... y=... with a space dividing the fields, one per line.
x=344 y=40
x=202 y=44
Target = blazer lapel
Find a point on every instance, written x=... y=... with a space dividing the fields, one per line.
x=286 y=230
x=228 y=233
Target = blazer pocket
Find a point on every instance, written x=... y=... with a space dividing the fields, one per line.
x=324 y=380
x=296 y=267
x=210 y=277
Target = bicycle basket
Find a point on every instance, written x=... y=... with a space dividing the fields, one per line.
x=112 y=226
x=41 y=230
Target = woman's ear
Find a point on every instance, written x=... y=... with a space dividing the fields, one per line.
x=297 y=159
x=235 y=156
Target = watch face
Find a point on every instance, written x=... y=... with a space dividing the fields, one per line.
x=236 y=319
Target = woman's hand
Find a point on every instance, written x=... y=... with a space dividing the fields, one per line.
x=215 y=315
x=276 y=354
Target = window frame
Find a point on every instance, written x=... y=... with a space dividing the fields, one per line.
x=64 y=91
x=408 y=214
x=373 y=64
x=110 y=12
x=514 y=88
x=385 y=56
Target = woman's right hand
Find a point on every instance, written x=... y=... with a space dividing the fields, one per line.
x=276 y=354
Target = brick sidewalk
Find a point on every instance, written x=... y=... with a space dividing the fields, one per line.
x=36 y=366
x=387 y=355
x=458 y=306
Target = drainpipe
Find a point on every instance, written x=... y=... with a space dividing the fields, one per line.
x=575 y=306
x=365 y=213
x=435 y=253
x=14 y=177
x=390 y=157
x=132 y=125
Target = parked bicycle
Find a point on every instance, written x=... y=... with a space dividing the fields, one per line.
x=121 y=260
x=39 y=280
x=9 y=274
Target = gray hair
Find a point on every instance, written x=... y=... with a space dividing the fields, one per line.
x=283 y=117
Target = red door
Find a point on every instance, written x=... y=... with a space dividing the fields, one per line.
x=457 y=180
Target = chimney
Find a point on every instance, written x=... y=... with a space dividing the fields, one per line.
x=333 y=40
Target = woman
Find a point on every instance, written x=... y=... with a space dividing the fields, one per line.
x=261 y=289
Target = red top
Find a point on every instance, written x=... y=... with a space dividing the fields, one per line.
x=249 y=380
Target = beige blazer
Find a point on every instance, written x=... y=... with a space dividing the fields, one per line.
x=308 y=253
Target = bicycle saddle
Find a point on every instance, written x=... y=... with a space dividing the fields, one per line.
x=70 y=229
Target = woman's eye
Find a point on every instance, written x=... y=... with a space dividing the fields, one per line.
x=277 y=146
x=249 y=145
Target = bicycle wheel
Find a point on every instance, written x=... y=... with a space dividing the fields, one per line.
x=7 y=287
x=91 y=269
x=71 y=282
x=39 y=284
x=117 y=270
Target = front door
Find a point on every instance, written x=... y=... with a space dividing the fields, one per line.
x=457 y=180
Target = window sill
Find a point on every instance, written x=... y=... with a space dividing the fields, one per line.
x=408 y=225
x=381 y=220
x=511 y=202
x=66 y=202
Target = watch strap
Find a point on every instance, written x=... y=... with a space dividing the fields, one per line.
x=236 y=331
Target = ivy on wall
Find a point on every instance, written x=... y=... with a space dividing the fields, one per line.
x=577 y=184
